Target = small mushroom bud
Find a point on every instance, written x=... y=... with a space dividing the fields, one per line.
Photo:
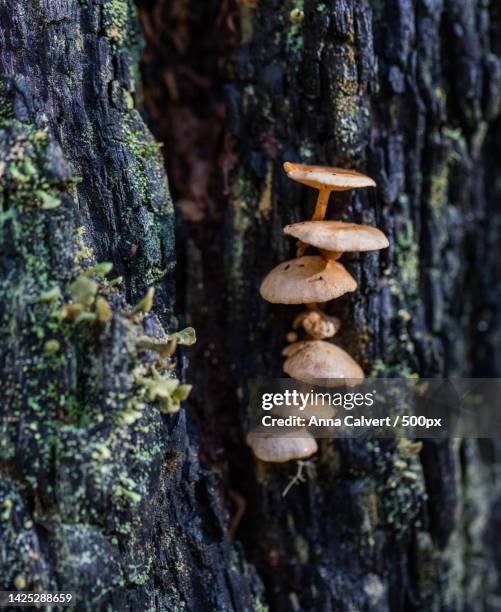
x=317 y=324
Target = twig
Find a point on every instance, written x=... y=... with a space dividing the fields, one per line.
x=298 y=476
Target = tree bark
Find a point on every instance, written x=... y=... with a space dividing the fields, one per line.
x=410 y=94
x=103 y=495
x=100 y=493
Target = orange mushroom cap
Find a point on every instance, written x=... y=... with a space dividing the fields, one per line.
x=325 y=177
x=338 y=235
x=319 y=360
x=306 y=279
x=292 y=443
x=321 y=411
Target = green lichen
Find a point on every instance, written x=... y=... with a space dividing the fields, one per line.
x=401 y=491
x=143 y=149
x=26 y=187
x=149 y=226
x=70 y=355
x=244 y=207
x=119 y=22
x=294 y=39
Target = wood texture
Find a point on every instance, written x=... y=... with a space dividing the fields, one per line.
x=98 y=495
x=137 y=512
x=408 y=93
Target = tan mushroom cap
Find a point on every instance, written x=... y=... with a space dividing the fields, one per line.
x=290 y=444
x=321 y=411
x=325 y=177
x=322 y=360
x=338 y=235
x=306 y=279
x=294 y=347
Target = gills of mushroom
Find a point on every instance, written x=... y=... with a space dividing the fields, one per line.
x=326 y=179
x=292 y=443
x=322 y=363
x=306 y=279
x=338 y=236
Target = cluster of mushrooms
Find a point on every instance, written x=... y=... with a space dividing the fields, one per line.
x=311 y=280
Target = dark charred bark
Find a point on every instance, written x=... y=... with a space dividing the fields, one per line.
x=132 y=509
x=100 y=493
x=410 y=94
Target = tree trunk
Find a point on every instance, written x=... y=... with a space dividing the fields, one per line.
x=104 y=495
x=410 y=94
x=101 y=494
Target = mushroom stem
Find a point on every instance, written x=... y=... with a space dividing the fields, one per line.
x=321 y=205
x=301 y=248
x=332 y=255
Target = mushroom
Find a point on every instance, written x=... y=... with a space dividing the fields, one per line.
x=326 y=179
x=317 y=324
x=306 y=279
x=335 y=255
x=322 y=361
x=338 y=236
x=292 y=443
x=321 y=411
x=292 y=348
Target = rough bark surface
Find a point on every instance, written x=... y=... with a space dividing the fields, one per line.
x=100 y=493
x=408 y=92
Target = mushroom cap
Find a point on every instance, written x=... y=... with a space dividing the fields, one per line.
x=290 y=444
x=338 y=235
x=319 y=360
x=293 y=347
x=306 y=279
x=321 y=411
x=320 y=177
